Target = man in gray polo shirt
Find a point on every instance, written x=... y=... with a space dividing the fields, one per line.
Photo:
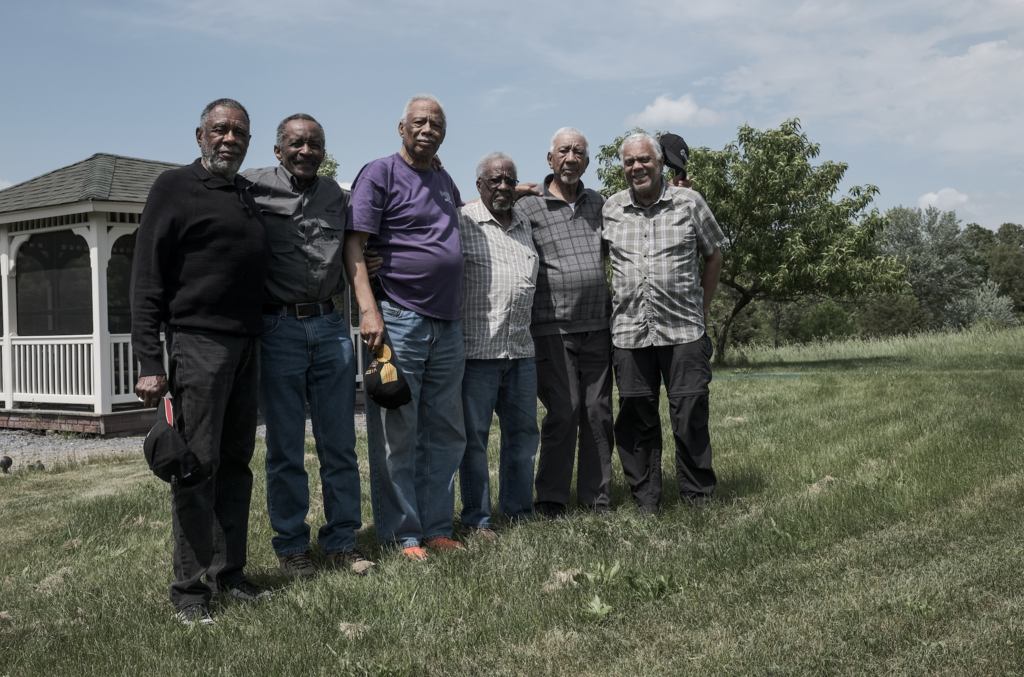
x=307 y=352
x=570 y=328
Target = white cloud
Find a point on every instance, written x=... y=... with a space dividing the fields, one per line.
x=945 y=199
x=5 y=184
x=683 y=111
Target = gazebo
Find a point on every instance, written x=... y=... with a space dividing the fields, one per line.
x=67 y=239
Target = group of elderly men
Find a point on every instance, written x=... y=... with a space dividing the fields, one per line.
x=485 y=307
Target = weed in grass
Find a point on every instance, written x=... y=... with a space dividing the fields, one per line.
x=597 y=610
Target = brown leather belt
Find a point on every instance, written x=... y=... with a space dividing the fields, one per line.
x=300 y=311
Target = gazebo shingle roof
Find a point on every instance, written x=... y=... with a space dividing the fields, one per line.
x=102 y=177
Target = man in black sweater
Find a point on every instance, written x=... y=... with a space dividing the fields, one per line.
x=200 y=264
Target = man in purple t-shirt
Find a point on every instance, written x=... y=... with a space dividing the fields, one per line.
x=407 y=211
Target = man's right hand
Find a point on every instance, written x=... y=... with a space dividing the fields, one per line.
x=150 y=389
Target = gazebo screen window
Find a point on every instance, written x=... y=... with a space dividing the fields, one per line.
x=54 y=285
x=119 y=274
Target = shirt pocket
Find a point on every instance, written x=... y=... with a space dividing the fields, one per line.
x=332 y=235
x=282 y=230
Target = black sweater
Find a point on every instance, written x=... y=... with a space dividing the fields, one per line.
x=201 y=258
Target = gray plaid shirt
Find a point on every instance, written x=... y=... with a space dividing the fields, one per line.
x=657 y=299
x=498 y=282
x=572 y=290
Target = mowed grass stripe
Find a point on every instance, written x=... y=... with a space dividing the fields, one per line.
x=868 y=520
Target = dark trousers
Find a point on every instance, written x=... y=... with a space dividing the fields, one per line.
x=574 y=383
x=214 y=382
x=686 y=370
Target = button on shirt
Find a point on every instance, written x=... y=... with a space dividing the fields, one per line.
x=306 y=229
x=657 y=299
x=498 y=284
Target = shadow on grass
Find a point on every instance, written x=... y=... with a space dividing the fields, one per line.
x=844 y=364
x=741 y=484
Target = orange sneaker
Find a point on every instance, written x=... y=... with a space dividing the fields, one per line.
x=443 y=543
x=415 y=552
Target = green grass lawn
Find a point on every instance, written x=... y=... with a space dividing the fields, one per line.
x=869 y=520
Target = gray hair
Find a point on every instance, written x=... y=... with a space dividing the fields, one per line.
x=422 y=97
x=227 y=103
x=298 y=116
x=572 y=131
x=641 y=136
x=486 y=160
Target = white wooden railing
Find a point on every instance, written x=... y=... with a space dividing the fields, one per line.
x=56 y=369
x=61 y=369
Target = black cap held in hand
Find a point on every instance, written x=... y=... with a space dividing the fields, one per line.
x=675 y=150
x=167 y=453
x=384 y=381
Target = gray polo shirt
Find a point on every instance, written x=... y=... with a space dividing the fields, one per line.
x=306 y=229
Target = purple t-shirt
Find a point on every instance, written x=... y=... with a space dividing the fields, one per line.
x=413 y=220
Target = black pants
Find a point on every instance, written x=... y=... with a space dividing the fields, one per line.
x=214 y=382
x=574 y=383
x=686 y=371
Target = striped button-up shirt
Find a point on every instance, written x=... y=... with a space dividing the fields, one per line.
x=499 y=279
x=657 y=299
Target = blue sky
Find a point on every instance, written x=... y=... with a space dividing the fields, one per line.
x=922 y=98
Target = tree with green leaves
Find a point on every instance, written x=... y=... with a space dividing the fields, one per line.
x=1006 y=262
x=329 y=167
x=942 y=261
x=787 y=237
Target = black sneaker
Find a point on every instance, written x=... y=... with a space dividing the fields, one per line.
x=194 y=614
x=247 y=591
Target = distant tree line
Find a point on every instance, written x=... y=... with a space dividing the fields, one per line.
x=802 y=264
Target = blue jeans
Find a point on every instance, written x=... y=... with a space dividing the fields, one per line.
x=415 y=450
x=310 y=360
x=507 y=388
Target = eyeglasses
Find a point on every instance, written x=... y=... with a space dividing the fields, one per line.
x=496 y=182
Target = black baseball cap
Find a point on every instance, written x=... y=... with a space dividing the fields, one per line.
x=384 y=381
x=168 y=454
x=675 y=150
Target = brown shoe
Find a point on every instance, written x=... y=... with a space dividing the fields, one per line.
x=482 y=533
x=415 y=552
x=443 y=543
x=352 y=560
x=298 y=565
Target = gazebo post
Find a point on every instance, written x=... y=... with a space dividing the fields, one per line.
x=99 y=255
x=7 y=362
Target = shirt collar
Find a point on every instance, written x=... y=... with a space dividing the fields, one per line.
x=548 y=195
x=213 y=181
x=482 y=215
x=288 y=177
x=634 y=203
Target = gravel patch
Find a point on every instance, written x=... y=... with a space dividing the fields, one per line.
x=51 y=448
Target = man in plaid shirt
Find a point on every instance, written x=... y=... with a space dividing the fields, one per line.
x=500 y=275
x=659 y=299
x=570 y=327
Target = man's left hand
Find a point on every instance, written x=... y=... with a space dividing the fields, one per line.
x=371 y=328
x=524 y=189
x=373 y=262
